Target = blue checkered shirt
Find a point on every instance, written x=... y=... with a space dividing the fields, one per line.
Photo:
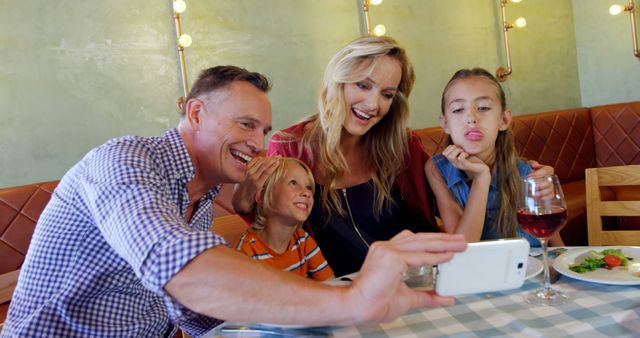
x=113 y=234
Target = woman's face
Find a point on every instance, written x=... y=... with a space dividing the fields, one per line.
x=368 y=101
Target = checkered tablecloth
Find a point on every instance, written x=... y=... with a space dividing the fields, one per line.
x=595 y=310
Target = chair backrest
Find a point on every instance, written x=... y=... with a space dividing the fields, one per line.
x=627 y=175
x=230 y=227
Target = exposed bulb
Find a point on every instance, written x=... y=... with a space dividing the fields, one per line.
x=516 y=1
x=379 y=30
x=179 y=6
x=615 y=9
x=184 y=40
x=521 y=22
x=375 y=2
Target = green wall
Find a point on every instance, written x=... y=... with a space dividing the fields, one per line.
x=609 y=72
x=74 y=74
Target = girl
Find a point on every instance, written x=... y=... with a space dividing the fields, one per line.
x=275 y=236
x=476 y=178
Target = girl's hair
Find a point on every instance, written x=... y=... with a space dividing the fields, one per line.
x=267 y=190
x=505 y=168
x=386 y=142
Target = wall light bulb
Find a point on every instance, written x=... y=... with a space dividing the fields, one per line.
x=521 y=22
x=615 y=9
x=516 y=1
x=184 y=40
x=379 y=30
x=179 y=6
x=375 y=2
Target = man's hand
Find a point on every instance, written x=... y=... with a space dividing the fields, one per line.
x=379 y=292
x=258 y=170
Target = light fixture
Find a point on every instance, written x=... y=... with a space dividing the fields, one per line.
x=179 y=6
x=501 y=72
x=379 y=30
x=617 y=9
x=182 y=41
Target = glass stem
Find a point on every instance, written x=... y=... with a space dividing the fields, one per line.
x=547 y=283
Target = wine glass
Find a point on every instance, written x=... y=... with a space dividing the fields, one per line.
x=543 y=212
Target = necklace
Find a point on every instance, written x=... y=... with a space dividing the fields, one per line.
x=355 y=227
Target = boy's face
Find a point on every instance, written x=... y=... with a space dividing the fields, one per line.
x=292 y=196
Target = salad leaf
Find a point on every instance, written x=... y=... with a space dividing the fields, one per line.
x=595 y=260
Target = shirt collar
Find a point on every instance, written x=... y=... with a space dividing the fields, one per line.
x=180 y=162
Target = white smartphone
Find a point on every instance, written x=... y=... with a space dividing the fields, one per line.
x=484 y=267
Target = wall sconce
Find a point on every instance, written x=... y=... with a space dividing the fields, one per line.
x=617 y=9
x=378 y=30
x=501 y=72
x=182 y=41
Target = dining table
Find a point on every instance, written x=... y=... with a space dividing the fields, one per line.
x=594 y=310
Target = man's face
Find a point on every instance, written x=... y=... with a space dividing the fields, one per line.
x=231 y=129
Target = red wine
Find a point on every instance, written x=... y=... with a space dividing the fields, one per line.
x=542 y=226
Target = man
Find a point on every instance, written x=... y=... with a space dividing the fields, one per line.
x=124 y=247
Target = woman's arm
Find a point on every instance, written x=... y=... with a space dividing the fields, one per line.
x=258 y=170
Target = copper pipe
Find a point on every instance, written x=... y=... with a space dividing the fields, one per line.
x=634 y=37
x=367 y=20
x=501 y=73
x=183 y=66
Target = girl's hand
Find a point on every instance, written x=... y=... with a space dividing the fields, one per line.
x=473 y=166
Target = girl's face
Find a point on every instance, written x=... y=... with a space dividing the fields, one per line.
x=368 y=100
x=473 y=116
x=292 y=196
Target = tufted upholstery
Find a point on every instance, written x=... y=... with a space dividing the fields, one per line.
x=616 y=129
x=20 y=208
x=571 y=141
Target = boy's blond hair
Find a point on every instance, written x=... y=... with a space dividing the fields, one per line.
x=267 y=190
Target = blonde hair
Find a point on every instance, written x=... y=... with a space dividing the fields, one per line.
x=267 y=190
x=386 y=141
x=505 y=167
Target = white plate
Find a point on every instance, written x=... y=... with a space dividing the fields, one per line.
x=534 y=267
x=616 y=276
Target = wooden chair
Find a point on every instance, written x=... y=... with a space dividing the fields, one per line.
x=628 y=175
x=230 y=227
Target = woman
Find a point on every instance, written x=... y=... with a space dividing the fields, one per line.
x=369 y=169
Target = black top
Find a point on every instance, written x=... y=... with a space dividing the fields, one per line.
x=338 y=239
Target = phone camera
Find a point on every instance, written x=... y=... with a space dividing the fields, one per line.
x=520 y=265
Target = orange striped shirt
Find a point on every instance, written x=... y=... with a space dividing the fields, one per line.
x=303 y=256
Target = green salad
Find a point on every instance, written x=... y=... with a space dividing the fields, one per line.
x=607 y=259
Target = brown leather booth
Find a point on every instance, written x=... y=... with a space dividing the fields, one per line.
x=572 y=140
x=20 y=208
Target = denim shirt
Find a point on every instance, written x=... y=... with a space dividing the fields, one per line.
x=459 y=186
